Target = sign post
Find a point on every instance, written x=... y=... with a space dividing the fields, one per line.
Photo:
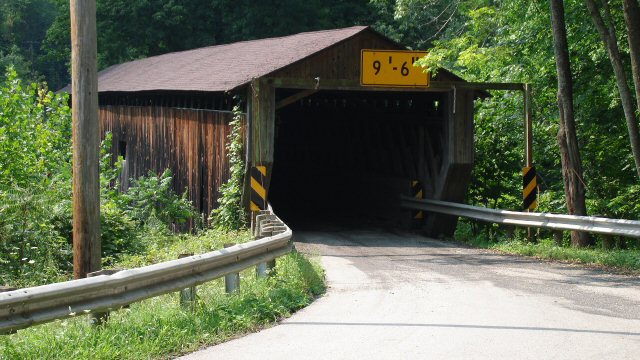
x=529 y=188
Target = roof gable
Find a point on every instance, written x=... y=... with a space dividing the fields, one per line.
x=221 y=67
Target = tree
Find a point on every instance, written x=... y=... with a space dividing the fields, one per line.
x=574 y=187
x=512 y=42
x=415 y=23
x=632 y=22
x=606 y=28
x=23 y=25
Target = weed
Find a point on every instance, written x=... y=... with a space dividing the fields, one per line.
x=159 y=327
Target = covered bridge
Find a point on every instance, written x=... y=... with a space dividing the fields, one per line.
x=331 y=147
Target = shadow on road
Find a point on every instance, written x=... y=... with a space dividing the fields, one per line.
x=464 y=326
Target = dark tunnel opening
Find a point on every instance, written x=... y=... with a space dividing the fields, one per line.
x=344 y=157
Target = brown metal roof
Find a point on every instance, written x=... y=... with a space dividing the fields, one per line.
x=221 y=67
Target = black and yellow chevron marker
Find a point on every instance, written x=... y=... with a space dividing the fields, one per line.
x=258 y=191
x=417 y=193
x=529 y=188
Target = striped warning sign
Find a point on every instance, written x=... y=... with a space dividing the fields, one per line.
x=258 y=191
x=530 y=188
x=417 y=193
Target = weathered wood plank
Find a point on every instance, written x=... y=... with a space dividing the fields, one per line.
x=354 y=84
x=295 y=97
x=191 y=143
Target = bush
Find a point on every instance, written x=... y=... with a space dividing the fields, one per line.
x=35 y=155
x=31 y=248
x=35 y=132
x=152 y=196
x=118 y=235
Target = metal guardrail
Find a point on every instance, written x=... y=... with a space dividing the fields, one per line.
x=591 y=224
x=29 y=306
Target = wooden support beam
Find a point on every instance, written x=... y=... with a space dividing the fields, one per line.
x=262 y=122
x=295 y=97
x=346 y=84
x=528 y=126
x=260 y=132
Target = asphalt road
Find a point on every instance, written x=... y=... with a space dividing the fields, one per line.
x=401 y=296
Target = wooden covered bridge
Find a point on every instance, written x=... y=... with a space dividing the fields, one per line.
x=329 y=145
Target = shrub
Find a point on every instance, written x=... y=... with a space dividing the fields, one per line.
x=35 y=153
x=152 y=196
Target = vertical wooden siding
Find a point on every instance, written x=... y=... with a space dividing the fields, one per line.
x=190 y=142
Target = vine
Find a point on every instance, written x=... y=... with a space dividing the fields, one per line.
x=230 y=214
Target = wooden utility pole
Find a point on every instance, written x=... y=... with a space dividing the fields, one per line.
x=86 y=138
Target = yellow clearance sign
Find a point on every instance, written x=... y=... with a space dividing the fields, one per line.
x=392 y=68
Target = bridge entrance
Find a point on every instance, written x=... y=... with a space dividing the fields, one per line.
x=344 y=157
x=327 y=144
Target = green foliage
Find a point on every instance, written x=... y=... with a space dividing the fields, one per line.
x=31 y=249
x=512 y=41
x=413 y=23
x=546 y=249
x=230 y=214
x=152 y=196
x=35 y=136
x=162 y=246
x=159 y=327
x=23 y=25
x=36 y=216
x=35 y=132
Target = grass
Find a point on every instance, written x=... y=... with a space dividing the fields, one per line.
x=627 y=260
x=164 y=247
x=160 y=327
x=546 y=249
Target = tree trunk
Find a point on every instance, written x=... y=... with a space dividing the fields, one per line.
x=567 y=138
x=632 y=22
x=607 y=33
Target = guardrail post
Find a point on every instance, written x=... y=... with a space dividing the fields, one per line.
x=622 y=242
x=509 y=231
x=531 y=235
x=231 y=281
x=607 y=242
x=100 y=317
x=558 y=237
x=261 y=270
x=267 y=268
x=188 y=295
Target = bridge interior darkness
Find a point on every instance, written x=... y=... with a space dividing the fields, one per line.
x=344 y=157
